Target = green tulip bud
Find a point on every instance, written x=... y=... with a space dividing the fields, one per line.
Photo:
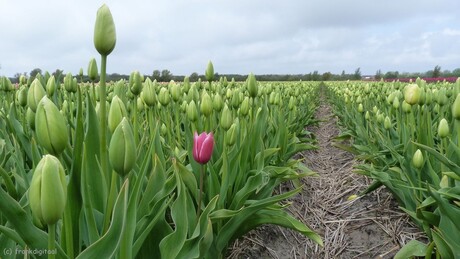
x=105 y=36
x=226 y=119
x=292 y=103
x=30 y=118
x=456 y=108
x=417 y=159
x=135 y=83
x=22 y=96
x=68 y=82
x=117 y=112
x=51 y=86
x=244 y=110
x=374 y=109
x=192 y=112
x=407 y=108
x=186 y=85
x=217 y=102
x=92 y=70
x=443 y=128
x=7 y=86
x=412 y=94
x=277 y=98
x=50 y=127
x=271 y=98
x=360 y=108
x=174 y=90
x=22 y=80
x=231 y=135
x=367 y=116
x=359 y=99
x=148 y=94
x=140 y=104
x=35 y=94
x=122 y=148
x=396 y=103
x=252 y=85
x=206 y=105
x=387 y=123
x=209 y=74
x=163 y=130
x=163 y=96
x=48 y=190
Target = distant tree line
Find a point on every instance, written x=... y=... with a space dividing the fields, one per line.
x=165 y=76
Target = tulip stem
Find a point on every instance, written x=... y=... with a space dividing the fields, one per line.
x=198 y=210
x=103 y=112
x=51 y=241
x=111 y=201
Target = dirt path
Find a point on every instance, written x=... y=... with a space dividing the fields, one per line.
x=368 y=227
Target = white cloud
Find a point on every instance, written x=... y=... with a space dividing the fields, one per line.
x=239 y=36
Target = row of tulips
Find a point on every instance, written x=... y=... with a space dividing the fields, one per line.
x=141 y=169
x=409 y=137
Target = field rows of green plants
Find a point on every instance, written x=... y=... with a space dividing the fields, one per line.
x=139 y=169
x=408 y=134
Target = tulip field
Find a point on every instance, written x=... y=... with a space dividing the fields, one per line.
x=141 y=169
x=408 y=136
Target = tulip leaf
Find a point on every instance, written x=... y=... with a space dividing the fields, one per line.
x=108 y=244
x=413 y=248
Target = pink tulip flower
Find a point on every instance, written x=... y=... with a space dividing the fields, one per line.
x=202 y=147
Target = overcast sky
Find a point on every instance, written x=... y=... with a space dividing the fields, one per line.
x=239 y=36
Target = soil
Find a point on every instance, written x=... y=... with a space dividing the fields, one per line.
x=370 y=226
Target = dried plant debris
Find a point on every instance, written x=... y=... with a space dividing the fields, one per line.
x=371 y=226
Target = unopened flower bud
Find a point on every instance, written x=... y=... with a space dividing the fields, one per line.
x=22 y=96
x=135 y=83
x=35 y=94
x=456 y=108
x=206 y=105
x=51 y=86
x=226 y=119
x=30 y=118
x=443 y=128
x=217 y=102
x=209 y=74
x=396 y=103
x=148 y=94
x=192 y=112
x=163 y=96
x=175 y=91
x=203 y=146
x=417 y=159
x=412 y=94
x=360 y=108
x=105 y=36
x=50 y=127
x=48 y=190
x=406 y=107
x=387 y=123
x=231 y=135
x=252 y=85
x=122 y=148
x=117 y=112
x=92 y=70
x=244 y=110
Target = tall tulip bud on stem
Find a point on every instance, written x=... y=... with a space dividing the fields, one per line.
x=48 y=195
x=122 y=149
x=252 y=85
x=412 y=94
x=209 y=72
x=104 y=39
x=203 y=145
x=50 y=127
